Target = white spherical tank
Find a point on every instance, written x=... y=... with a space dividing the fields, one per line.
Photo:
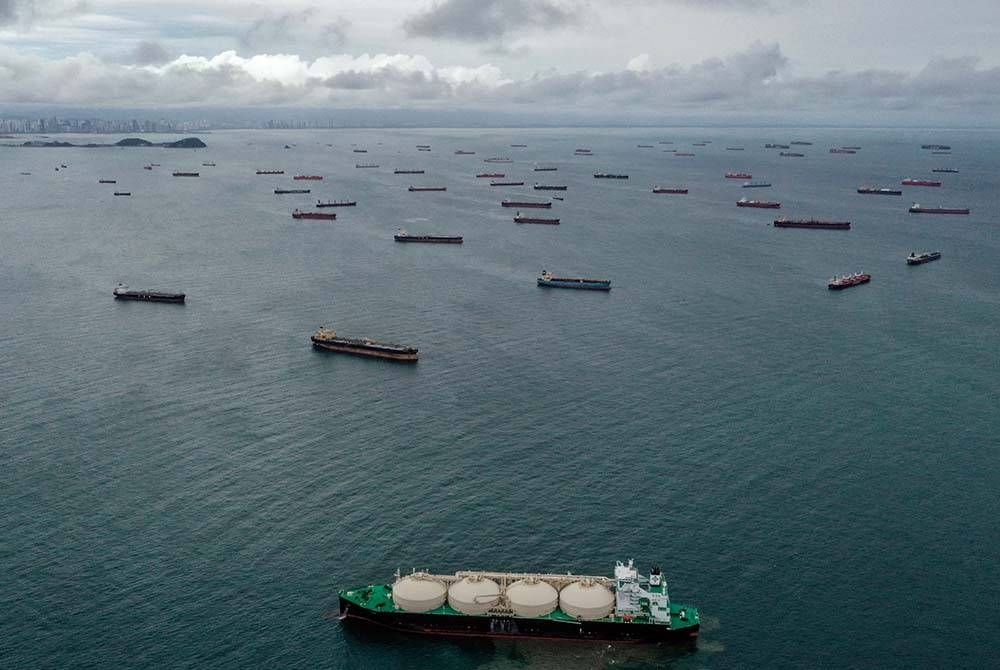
x=532 y=597
x=418 y=593
x=587 y=600
x=473 y=595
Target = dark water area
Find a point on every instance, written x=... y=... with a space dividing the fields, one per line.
x=188 y=486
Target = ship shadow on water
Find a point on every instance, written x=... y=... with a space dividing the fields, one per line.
x=400 y=649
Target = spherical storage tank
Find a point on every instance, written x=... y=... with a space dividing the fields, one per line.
x=473 y=594
x=532 y=597
x=418 y=593
x=587 y=600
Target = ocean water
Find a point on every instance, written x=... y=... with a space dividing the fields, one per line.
x=187 y=486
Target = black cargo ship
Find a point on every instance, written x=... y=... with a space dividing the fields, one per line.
x=123 y=292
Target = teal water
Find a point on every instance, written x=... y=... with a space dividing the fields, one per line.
x=187 y=486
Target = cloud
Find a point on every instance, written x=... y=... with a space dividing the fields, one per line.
x=297 y=31
x=472 y=20
x=24 y=13
x=149 y=53
x=757 y=78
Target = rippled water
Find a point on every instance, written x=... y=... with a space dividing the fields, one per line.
x=187 y=486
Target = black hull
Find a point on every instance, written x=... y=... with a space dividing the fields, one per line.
x=517 y=627
x=176 y=299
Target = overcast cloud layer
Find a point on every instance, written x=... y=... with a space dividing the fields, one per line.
x=642 y=56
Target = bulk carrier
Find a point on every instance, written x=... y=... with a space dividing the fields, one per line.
x=628 y=607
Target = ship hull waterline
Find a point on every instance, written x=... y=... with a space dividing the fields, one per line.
x=513 y=627
x=404 y=357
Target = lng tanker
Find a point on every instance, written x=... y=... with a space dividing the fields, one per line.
x=628 y=607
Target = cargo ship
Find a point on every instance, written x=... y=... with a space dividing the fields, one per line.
x=812 y=223
x=847 y=281
x=123 y=192
x=872 y=190
x=208 y=164
x=772 y=145
x=308 y=177
x=123 y=292
x=498 y=159
x=801 y=143
x=548 y=187
x=734 y=149
x=407 y=171
x=506 y=183
x=920 y=209
x=419 y=189
x=738 y=175
x=403 y=236
x=337 y=203
x=629 y=607
x=461 y=152
x=920 y=182
x=583 y=152
x=423 y=146
x=360 y=151
x=490 y=175
x=519 y=218
x=760 y=204
x=317 y=216
x=326 y=338
x=683 y=153
x=526 y=203
x=843 y=151
x=948 y=170
x=186 y=174
x=791 y=154
x=270 y=172
x=936 y=147
x=365 y=166
x=607 y=175
x=756 y=184
x=107 y=181
x=545 y=168
x=925 y=257
x=285 y=191
x=549 y=280
x=519 y=146
x=670 y=189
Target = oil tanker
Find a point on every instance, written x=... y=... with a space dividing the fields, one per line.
x=628 y=607
x=326 y=338
x=812 y=223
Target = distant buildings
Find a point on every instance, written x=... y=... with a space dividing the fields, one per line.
x=54 y=124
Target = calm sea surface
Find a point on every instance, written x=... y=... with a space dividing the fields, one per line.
x=187 y=486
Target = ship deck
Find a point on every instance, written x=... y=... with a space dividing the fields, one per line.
x=378 y=598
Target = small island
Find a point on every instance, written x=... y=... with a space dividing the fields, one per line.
x=186 y=143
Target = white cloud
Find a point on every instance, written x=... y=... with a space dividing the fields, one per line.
x=641 y=63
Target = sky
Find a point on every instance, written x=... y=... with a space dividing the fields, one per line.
x=932 y=60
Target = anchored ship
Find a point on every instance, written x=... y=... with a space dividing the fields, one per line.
x=337 y=203
x=606 y=175
x=461 y=152
x=419 y=189
x=519 y=218
x=670 y=189
x=920 y=209
x=812 y=223
x=123 y=292
x=761 y=204
x=327 y=338
x=186 y=174
x=847 y=281
x=308 y=177
x=363 y=166
x=549 y=280
x=872 y=190
x=791 y=154
x=549 y=187
x=938 y=147
x=403 y=236
x=490 y=175
x=756 y=184
x=498 y=159
x=324 y=216
x=526 y=203
x=628 y=607
x=843 y=151
x=407 y=171
x=107 y=181
x=123 y=192
x=920 y=182
x=948 y=170
x=506 y=183
x=921 y=258
x=738 y=175
x=270 y=172
x=283 y=191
